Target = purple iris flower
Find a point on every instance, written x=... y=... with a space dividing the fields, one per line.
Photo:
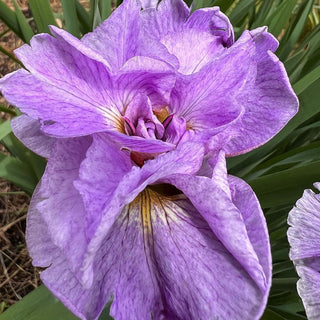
x=136 y=119
x=304 y=238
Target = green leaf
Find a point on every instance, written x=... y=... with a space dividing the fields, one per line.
x=269 y=315
x=7 y=110
x=201 y=4
x=284 y=283
x=9 y=17
x=40 y=304
x=5 y=129
x=20 y=173
x=83 y=17
x=42 y=14
x=279 y=20
x=289 y=315
x=266 y=8
x=286 y=186
x=296 y=156
x=295 y=30
x=95 y=13
x=224 y=4
x=31 y=163
x=240 y=11
x=307 y=81
x=23 y=24
x=105 y=9
x=70 y=17
x=281 y=267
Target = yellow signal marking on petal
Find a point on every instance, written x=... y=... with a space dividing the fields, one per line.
x=162 y=114
x=153 y=206
x=114 y=116
x=145 y=205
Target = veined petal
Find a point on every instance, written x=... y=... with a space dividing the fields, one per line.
x=71 y=41
x=40 y=246
x=27 y=130
x=60 y=205
x=207 y=99
x=304 y=237
x=268 y=101
x=226 y=221
x=308 y=287
x=62 y=63
x=99 y=175
x=117 y=38
x=176 y=161
x=149 y=3
x=139 y=144
x=213 y=21
x=195 y=40
x=56 y=104
x=304 y=219
x=193 y=48
x=247 y=203
x=121 y=271
x=63 y=82
x=168 y=17
x=56 y=108
x=160 y=259
x=194 y=268
x=143 y=75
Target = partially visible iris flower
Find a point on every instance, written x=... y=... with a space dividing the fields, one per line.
x=304 y=239
x=136 y=119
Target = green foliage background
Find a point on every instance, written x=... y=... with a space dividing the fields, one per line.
x=278 y=171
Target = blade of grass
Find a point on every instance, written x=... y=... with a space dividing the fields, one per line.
x=23 y=24
x=272 y=315
x=9 y=17
x=224 y=4
x=5 y=129
x=240 y=11
x=307 y=80
x=278 y=21
x=42 y=302
x=42 y=14
x=293 y=33
x=83 y=17
x=105 y=9
x=7 y=110
x=17 y=149
x=10 y=55
x=264 y=10
x=286 y=186
x=70 y=17
x=18 y=173
x=95 y=13
x=197 y=4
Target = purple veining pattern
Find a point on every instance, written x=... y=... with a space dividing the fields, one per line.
x=304 y=237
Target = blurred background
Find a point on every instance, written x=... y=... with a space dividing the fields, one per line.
x=278 y=172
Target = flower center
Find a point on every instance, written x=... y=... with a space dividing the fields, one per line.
x=170 y=130
x=143 y=122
